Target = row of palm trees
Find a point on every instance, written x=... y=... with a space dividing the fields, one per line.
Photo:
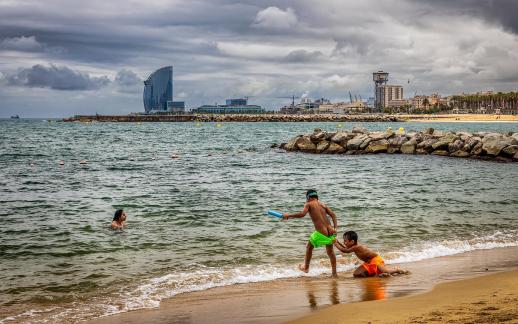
x=505 y=103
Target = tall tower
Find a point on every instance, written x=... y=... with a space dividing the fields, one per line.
x=380 y=79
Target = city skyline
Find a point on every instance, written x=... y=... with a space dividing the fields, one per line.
x=62 y=58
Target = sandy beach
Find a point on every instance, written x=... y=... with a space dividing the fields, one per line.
x=486 y=299
x=461 y=118
x=324 y=300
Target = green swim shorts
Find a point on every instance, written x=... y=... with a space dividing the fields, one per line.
x=318 y=239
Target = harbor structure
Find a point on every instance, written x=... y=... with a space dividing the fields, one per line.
x=158 y=93
x=385 y=93
x=231 y=106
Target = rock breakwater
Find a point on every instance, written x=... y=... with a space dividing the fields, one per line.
x=237 y=118
x=479 y=145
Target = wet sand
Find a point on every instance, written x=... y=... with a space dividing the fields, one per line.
x=486 y=299
x=460 y=118
x=284 y=300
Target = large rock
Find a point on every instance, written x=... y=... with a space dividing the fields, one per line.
x=375 y=136
x=510 y=150
x=306 y=145
x=477 y=149
x=427 y=145
x=334 y=148
x=464 y=135
x=493 y=144
x=443 y=142
x=408 y=147
x=377 y=146
x=342 y=137
x=292 y=144
x=355 y=142
x=460 y=153
x=455 y=146
x=322 y=146
x=441 y=152
x=365 y=143
x=471 y=142
x=317 y=136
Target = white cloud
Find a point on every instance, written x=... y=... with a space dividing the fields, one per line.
x=22 y=43
x=275 y=18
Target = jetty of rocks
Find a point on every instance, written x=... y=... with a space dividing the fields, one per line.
x=236 y=118
x=479 y=145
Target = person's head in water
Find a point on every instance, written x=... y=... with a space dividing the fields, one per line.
x=350 y=238
x=120 y=216
x=311 y=193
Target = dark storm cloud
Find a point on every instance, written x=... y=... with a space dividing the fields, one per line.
x=127 y=81
x=57 y=78
x=503 y=12
x=302 y=56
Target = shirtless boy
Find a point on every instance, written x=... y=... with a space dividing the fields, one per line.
x=373 y=263
x=324 y=233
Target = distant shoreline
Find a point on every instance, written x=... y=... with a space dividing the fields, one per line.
x=447 y=118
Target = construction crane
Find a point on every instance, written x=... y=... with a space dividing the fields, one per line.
x=292 y=99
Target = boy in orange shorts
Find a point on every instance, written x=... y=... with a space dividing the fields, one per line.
x=373 y=263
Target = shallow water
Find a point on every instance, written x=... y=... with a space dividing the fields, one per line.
x=198 y=221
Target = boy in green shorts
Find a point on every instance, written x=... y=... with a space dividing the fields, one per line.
x=324 y=233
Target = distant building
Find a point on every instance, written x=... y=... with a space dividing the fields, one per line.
x=383 y=92
x=232 y=106
x=391 y=93
x=158 y=92
x=343 y=108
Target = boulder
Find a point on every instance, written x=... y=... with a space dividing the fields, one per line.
x=377 y=146
x=455 y=146
x=305 y=144
x=443 y=142
x=460 y=153
x=477 y=149
x=471 y=142
x=427 y=145
x=421 y=151
x=334 y=148
x=322 y=146
x=464 y=135
x=292 y=144
x=429 y=131
x=360 y=130
x=441 y=152
x=493 y=144
x=329 y=136
x=375 y=136
x=355 y=142
x=408 y=147
x=503 y=159
x=510 y=150
x=341 y=137
x=365 y=143
x=515 y=157
x=317 y=136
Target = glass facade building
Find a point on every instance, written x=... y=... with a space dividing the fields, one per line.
x=158 y=90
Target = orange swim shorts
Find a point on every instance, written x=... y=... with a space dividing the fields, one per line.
x=372 y=265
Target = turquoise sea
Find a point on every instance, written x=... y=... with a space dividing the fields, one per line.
x=199 y=221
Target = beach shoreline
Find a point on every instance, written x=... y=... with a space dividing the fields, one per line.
x=489 y=298
x=297 y=298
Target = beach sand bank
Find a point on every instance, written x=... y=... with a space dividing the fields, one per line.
x=486 y=299
x=290 y=299
x=460 y=118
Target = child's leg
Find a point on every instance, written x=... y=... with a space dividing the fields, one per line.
x=307 y=258
x=384 y=269
x=332 y=257
x=361 y=272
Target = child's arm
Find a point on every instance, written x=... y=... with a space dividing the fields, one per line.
x=297 y=215
x=333 y=216
x=343 y=248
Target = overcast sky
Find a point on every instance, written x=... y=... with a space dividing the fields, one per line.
x=60 y=58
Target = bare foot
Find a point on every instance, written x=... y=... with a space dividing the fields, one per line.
x=303 y=268
x=384 y=275
x=401 y=271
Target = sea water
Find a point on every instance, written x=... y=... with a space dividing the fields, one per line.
x=198 y=221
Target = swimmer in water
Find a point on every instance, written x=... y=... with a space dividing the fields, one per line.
x=119 y=219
